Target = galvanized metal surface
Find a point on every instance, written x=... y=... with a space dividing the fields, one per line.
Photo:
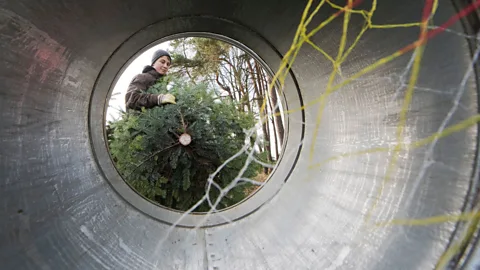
x=58 y=211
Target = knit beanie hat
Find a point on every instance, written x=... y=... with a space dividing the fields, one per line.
x=159 y=54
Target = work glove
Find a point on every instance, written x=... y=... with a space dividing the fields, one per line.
x=166 y=98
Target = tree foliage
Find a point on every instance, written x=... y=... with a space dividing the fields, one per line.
x=145 y=147
x=204 y=59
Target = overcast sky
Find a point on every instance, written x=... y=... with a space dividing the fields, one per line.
x=117 y=102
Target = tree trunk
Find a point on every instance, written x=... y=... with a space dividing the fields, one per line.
x=277 y=113
x=256 y=87
x=275 y=133
x=260 y=92
x=278 y=116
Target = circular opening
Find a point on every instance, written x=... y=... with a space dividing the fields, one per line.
x=196 y=26
x=192 y=123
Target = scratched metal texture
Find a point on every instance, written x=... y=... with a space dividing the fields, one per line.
x=58 y=212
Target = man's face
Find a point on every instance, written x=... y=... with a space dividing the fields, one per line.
x=162 y=65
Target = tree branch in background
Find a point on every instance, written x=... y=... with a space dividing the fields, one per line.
x=223 y=86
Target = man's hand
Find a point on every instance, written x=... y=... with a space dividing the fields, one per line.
x=166 y=98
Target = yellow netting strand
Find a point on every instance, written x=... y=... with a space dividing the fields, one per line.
x=355 y=43
x=471 y=217
x=430 y=220
x=340 y=8
x=322 y=51
x=458 y=245
x=472 y=121
x=319 y=6
x=390 y=26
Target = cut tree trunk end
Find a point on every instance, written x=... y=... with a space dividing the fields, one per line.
x=185 y=139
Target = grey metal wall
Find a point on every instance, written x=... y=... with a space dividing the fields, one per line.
x=58 y=211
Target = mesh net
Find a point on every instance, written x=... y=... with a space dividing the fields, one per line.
x=406 y=82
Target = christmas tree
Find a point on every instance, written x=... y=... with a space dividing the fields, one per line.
x=168 y=153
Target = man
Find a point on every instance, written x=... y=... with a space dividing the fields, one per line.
x=137 y=97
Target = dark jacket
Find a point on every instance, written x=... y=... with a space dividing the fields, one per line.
x=136 y=96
